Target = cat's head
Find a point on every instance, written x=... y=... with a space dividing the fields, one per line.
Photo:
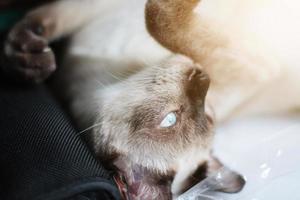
x=155 y=115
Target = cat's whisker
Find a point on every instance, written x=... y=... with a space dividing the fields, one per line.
x=122 y=75
x=89 y=128
x=114 y=76
x=100 y=83
x=132 y=71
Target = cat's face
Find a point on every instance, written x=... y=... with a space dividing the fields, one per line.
x=155 y=115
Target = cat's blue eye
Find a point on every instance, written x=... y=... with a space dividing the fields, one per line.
x=169 y=120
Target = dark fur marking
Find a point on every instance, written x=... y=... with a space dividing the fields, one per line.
x=196 y=177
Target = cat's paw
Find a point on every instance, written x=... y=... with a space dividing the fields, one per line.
x=233 y=182
x=223 y=179
x=29 y=57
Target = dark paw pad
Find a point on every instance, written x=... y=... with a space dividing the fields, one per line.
x=29 y=58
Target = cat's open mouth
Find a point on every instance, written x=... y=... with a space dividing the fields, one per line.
x=138 y=183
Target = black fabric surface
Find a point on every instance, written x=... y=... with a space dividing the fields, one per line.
x=41 y=155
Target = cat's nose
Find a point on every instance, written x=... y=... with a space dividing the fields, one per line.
x=195 y=72
x=197 y=76
x=196 y=84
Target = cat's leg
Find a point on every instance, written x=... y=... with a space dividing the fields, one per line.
x=27 y=50
x=222 y=178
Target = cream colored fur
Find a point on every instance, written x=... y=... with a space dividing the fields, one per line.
x=254 y=68
x=247 y=47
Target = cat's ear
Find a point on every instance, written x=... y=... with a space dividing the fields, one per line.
x=223 y=179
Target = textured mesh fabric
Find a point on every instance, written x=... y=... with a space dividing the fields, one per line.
x=41 y=156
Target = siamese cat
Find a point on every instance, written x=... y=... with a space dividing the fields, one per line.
x=149 y=108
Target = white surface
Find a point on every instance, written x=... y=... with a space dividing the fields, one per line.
x=266 y=151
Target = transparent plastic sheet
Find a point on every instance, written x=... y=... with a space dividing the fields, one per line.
x=266 y=151
x=211 y=183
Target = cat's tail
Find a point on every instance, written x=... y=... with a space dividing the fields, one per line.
x=175 y=25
